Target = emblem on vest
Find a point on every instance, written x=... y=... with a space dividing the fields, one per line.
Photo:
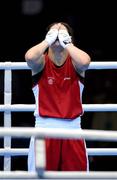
x=67 y=78
x=50 y=80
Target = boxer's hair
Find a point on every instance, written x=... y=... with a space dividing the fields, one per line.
x=69 y=28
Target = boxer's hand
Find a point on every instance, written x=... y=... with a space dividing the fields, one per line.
x=51 y=36
x=64 y=38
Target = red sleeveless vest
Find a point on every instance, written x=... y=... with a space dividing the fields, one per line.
x=59 y=91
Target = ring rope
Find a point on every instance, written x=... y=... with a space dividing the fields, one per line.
x=58 y=175
x=86 y=107
x=97 y=135
x=90 y=151
x=23 y=65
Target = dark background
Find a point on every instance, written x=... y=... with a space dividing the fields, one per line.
x=23 y=24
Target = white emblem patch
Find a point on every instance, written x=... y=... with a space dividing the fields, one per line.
x=50 y=80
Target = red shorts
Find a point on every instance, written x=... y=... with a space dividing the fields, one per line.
x=66 y=155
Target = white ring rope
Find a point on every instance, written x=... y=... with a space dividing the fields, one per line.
x=90 y=151
x=59 y=174
x=86 y=107
x=13 y=65
x=23 y=65
x=103 y=65
x=14 y=151
x=100 y=107
x=96 y=135
x=102 y=151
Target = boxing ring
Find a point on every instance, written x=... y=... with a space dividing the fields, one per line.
x=8 y=131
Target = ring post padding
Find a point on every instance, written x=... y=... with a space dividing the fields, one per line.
x=7 y=116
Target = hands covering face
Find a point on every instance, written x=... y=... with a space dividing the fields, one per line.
x=60 y=33
x=64 y=38
x=51 y=36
